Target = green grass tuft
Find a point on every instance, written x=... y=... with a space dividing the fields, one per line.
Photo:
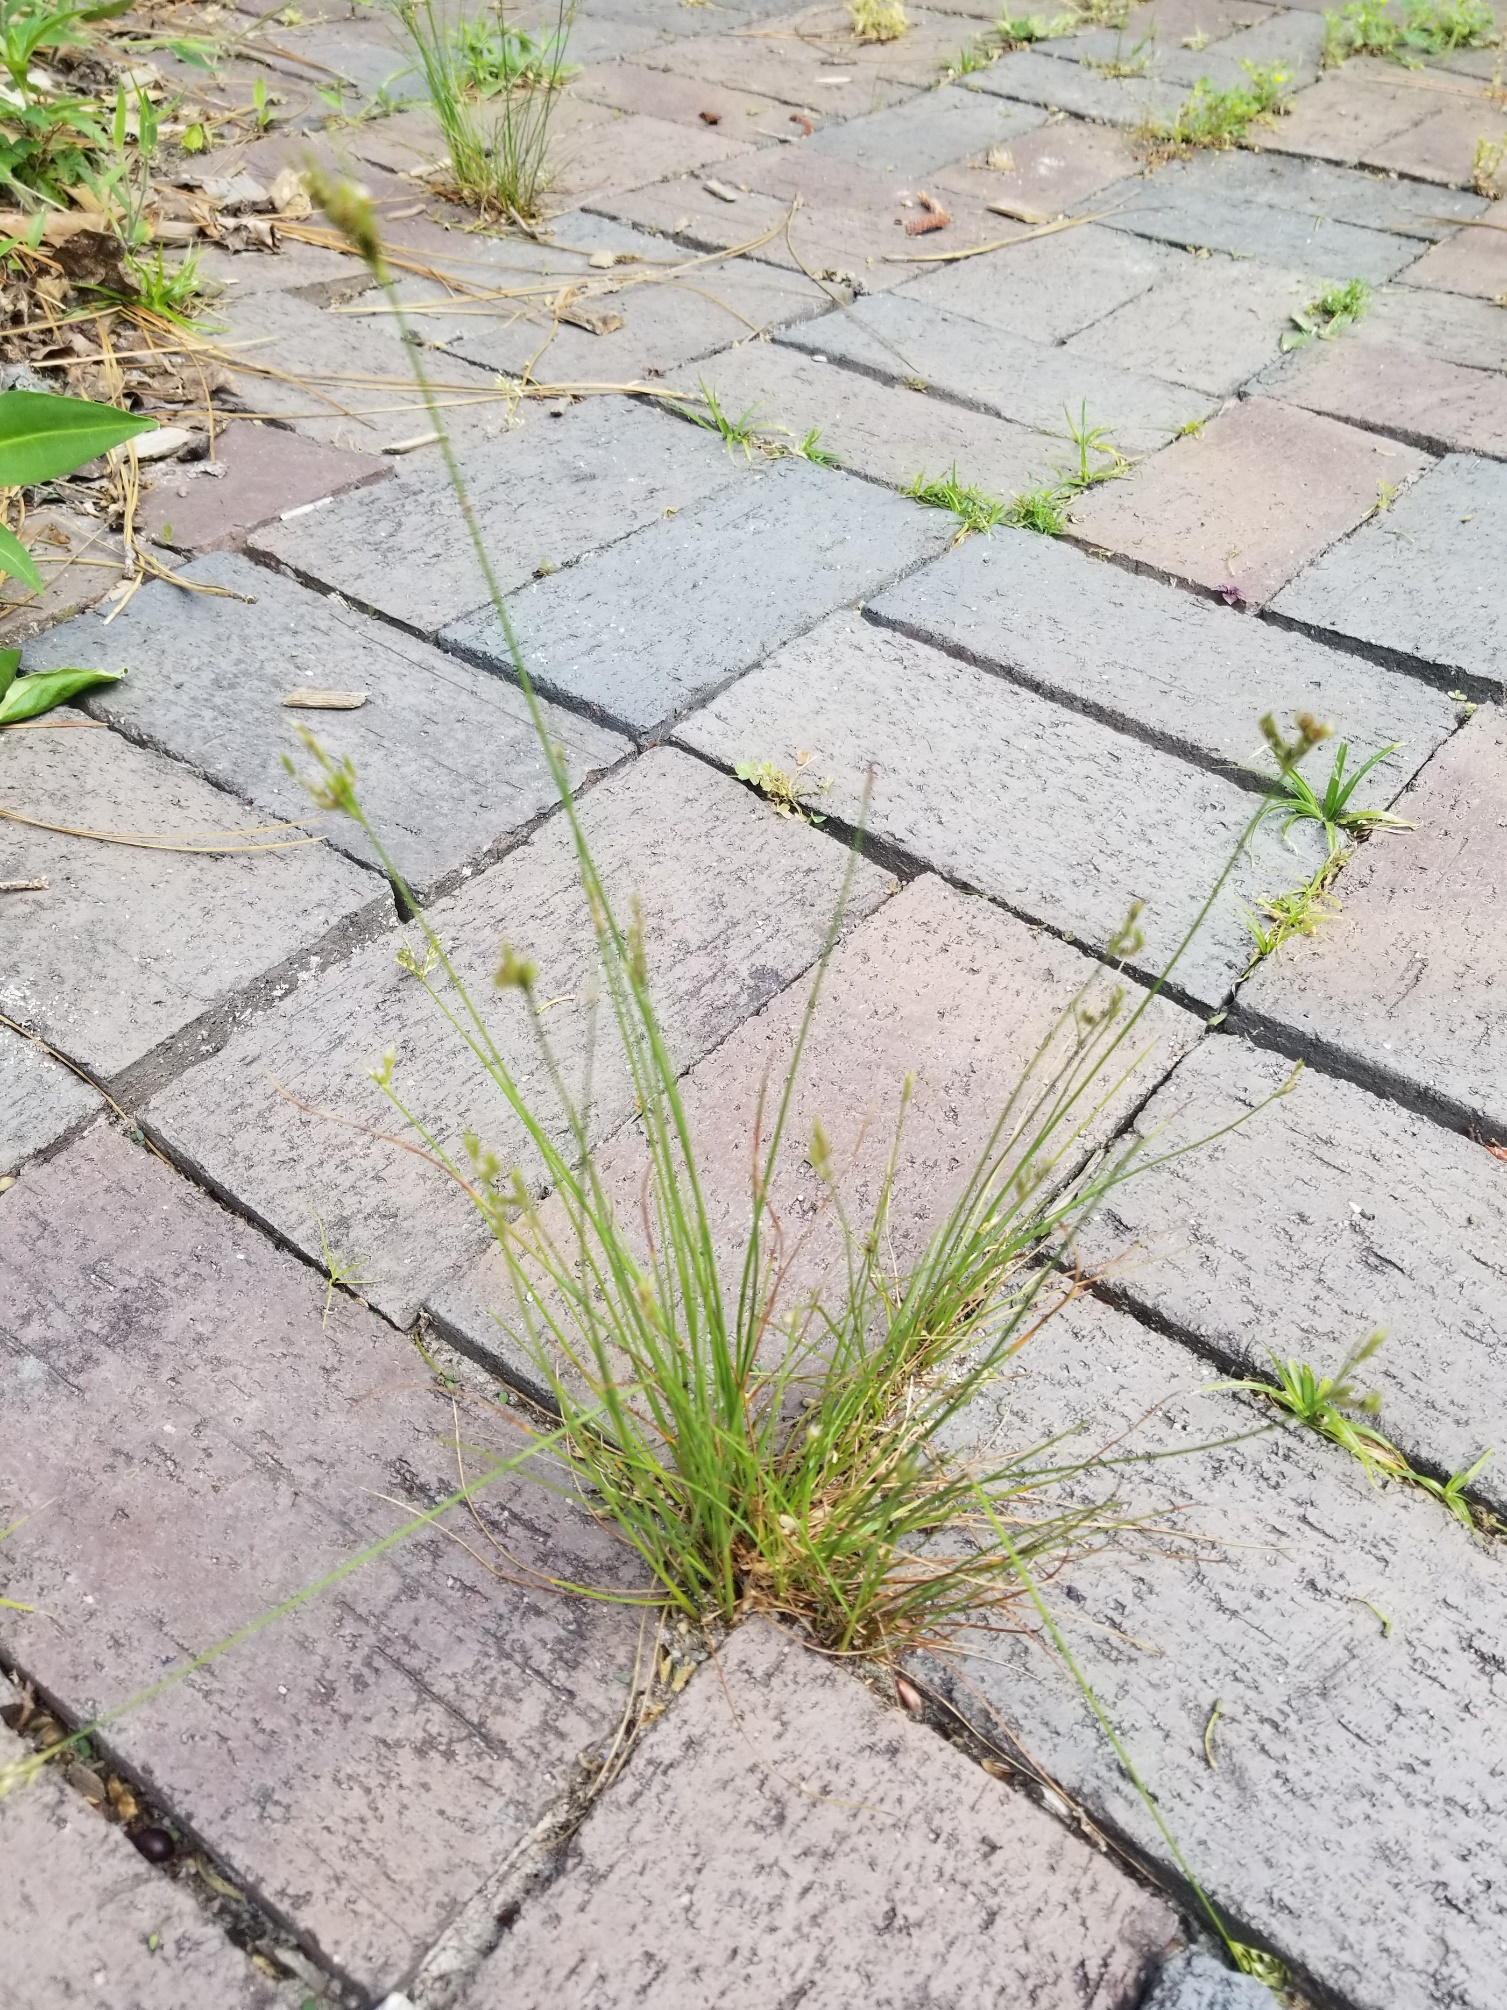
x=975 y=511
x=1417 y=28
x=1211 y=116
x=1329 y=314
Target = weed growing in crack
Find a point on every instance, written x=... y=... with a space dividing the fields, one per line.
x=1039 y=509
x=1328 y=314
x=1086 y=472
x=1211 y=116
x=1417 y=28
x=1281 y=916
x=788 y=794
x=877 y=20
x=811 y=449
x=1296 y=802
x=1486 y=167
x=975 y=511
x=740 y=432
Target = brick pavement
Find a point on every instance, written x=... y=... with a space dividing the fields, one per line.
x=198 y=1423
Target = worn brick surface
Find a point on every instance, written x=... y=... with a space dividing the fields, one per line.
x=962 y=763
x=1051 y=287
x=640 y=631
x=1404 y=987
x=448 y=764
x=927 y=132
x=1070 y=87
x=1158 y=31
x=884 y=431
x=633 y=87
x=827 y=181
x=1194 y=1979
x=1211 y=327
x=40 y=1101
x=85 y=1920
x=785 y=66
x=1347 y=113
x=210 y=1445
x=1391 y=1221
x=130 y=946
x=545 y=492
x=1055 y=167
x=1472 y=261
x=895 y=337
x=1324 y=194
x=629 y=149
x=1441 y=148
x=80 y=561
x=1263 y=489
x=1442 y=325
x=781 y=1831
x=1329 y=1764
x=258 y=474
x=937 y=988
x=1419 y=581
x=317 y=274
x=1435 y=405
x=1291 y=40
x=1209 y=220
x=1187 y=674
x=736 y=904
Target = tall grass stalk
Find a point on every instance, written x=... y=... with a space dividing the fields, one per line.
x=760 y=1450
x=497 y=136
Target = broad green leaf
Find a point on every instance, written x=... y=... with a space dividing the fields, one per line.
x=30 y=697
x=42 y=437
x=10 y=663
x=14 y=557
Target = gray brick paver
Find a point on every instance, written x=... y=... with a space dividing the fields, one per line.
x=1051 y=287
x=40 y=1100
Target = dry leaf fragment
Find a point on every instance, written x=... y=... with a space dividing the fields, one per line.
x=910 y=1696
x=1498 y=1152
x=936 y=218
x=682 y=1675
x=801 y=119
x=308 y=699
x=290 y=197
x=122 y=1800
x=595 y=320
x=995 y=1768
x=720 y=190
x=710 y=118
x=1017 y=212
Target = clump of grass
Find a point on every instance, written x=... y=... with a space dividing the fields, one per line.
x=1041 y=509
x=1329 y=314
x=1282 y=916
x=494 y=56
x=497 y=137
x=1486 y=167
x=1417 y=28
x=742 y=431
x=975 y=511
x=1018 y=31
x=810 y=448
x=877 y=20
x=1099 y=459
x=1214 y=116
x=1295 y=800
x=788 y=794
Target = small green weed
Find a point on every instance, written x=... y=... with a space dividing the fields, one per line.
x=1018 y=31
x=1086 y=473
x=788 y=795
x=811 y=449
x=1328 y=315
x=338 y=1270
x=1296 y=802
x=1281 y=916
x=740 y=432
x=975 y=511
x=492 y=56
x=1040 y=509
x=1211 y=116
x=1486 y=167
x=1417 y=28
x=877 y=20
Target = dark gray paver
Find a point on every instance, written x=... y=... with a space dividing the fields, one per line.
x=40 y=1100
x=1438 y=406
x=1189 y=675
x=542 y=494
x=1197 y=1980
x=1240 y=508
x=927 y=132
x=885 y=431
x=258 y=474
x=899 y=338
x=1069 y=87
x=1324 y=194
x=85 y=1919
x=1421 y=580
x=1212 y=326
x=1338 y=1741
x=640 y=631
x=1292 y=40
x=1050 y=287
x=1210 y=220
x=211 y=1444
x=448 y=764
x=129 y=947
x=1330 y=1214
x=1404 y=987
x=937 y=988
x=1473 y=261
x=963 y=764
x=736 y=904
x=780 y=1832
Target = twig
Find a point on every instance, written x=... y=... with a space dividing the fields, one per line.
x=999 y=244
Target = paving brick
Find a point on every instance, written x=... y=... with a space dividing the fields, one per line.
x=1323 y=194
x=544 y=493
x=40 y=1101
x=736 y=902
x=1346 y=114
x=929 y=45
x=80 y=560
x=1243 y=506
x=1437 y=406
x=1050 y=287
x=888 y=433
x=785 y=66
x=1418 y=582
x=832 y=182
x=1069 y=87
x=1160 y=30
x=448 y=764
x=927 y=132
x=1328 y=1215
x=1159 y=207
x=1187 y=674
x=1403 y=988
x=637 y=633
x=367 y=56
x=320 y=275
x=211 y=1445
x=130 y=947
x=1212 y=327
x=630 y=149
x=782 y=1827
x=1197 y=1980
x=1272 y=1611
x=1472 y=261
x=895 y=336
x=963 y=762
x=81 y=1913
x=1056 y=166
x=1442 y=325
x=257 y=475
x=968 y=995
x=1441 y=148
x=1292 y=40
x=632 y=87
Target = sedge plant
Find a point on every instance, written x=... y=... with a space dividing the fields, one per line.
x=1335 y=810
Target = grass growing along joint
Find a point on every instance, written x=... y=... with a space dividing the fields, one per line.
x=1328 y=314
x=1417 y=28
x=1214 y=116
x=1044 y=509
x=1334 y=811
x=789 y=794
x=975 y=511
x=877 y=20
x=1279 y=917
x=1040 y=509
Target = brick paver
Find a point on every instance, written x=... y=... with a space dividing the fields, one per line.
x=1431 y=404
x=40 y=1101
x=258 y=475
